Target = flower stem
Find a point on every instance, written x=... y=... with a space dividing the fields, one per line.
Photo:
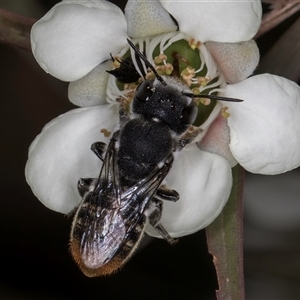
x=281 y=11
x=15 y=29
x=225 y=243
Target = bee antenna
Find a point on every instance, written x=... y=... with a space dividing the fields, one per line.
x=212 y=97
x=142 y=57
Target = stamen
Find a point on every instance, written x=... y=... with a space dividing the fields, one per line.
x=203 y=81
x=194 y=44
x=160 y=59
x=206 y=79
x=212 y=69
x=130 y=86
x=187 y=74
x=105 y=132
x=202 y=62
x=152 y=45
x=150 y=75
x=196 y=91
x=217 y=84
x=168 y=69
x=198 y=100
x=205 y=101
x=147 y=41
x=116 y=61
x=225 y=114
x=172 y=37
x=160 y=70
x=113 y=92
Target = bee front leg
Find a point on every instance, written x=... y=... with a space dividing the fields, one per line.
x=193 y=134
x=153 y=213
x=124 y=111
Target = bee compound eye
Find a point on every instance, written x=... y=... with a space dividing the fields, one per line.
x=144 y=91
x=189 y=113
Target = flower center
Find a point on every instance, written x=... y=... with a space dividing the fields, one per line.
x=172 y=54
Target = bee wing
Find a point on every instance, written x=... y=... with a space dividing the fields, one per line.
x=107 y=219
x=103 y=234
x=134 y=200
x=98 y=228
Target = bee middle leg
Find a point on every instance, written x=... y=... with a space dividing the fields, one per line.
x=166 y=194
x=154 y=213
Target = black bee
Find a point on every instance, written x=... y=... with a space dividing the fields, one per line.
x=129 y=192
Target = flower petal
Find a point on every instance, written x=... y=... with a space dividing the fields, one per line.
x=221 y=21
x=147 y=18
x=61 y=154
x=265 y=128
x=237 y=60
x=90 y=90
x=204 y=182
x=74 y=37
x=217 y=139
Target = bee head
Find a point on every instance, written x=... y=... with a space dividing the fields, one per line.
x=163 y=99
x=165 y=102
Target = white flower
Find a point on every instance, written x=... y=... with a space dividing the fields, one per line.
x=73 y=42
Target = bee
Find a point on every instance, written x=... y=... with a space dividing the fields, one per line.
x=129 y=192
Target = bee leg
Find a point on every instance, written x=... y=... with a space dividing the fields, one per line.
x=153 y=213
x=193 y=134
x=164 y=193
x=98 y=148
x=86 y=185
x=124 y=111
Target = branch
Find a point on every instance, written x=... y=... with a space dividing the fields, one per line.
x=15 y=29
x=281 y=11
x=282 y=58
x=225 y=243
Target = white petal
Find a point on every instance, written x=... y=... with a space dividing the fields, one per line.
x=147 y=18
x=219 y=21
x=61 y=154
x=90 y=90
x=204 y=182
x=74 y=37
x=237 y=60
x=265 y=128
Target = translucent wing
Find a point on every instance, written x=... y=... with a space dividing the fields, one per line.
x=109 y=222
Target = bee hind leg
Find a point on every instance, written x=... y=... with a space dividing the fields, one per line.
x=153 y=213
x=98 y=148
x=86 y=185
